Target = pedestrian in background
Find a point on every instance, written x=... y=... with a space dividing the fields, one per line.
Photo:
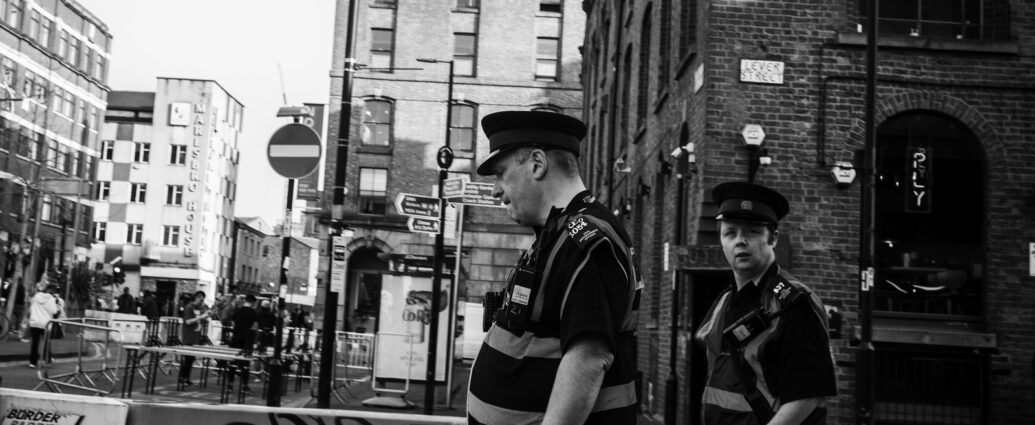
x=561 y=348
x=195 y=316
x=149 y=307
x=126 y=304
x=766 y=336
x=245 y=323
x=44 y=307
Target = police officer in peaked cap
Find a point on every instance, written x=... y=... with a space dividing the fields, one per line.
x=767 y=341
x=560 y=343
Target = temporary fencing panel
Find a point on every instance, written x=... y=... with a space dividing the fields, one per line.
x=23 y=406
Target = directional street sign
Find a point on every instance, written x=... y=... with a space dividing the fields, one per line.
x=416 y=205
x=294 y=151
x=423 y=225
x=476 y=193
x=452 y=187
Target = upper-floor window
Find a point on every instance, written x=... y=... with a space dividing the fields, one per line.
x=952 y=19
x=100 y=230
x=382 y=45
x=39 y=28
x=643 y=78
x=138 y=192
x=74 y=45
x=462 y=127
x=135 y=233
x=174 y=194
x=465 y=47
x=551 y=6
x=141 y=152
x=62 y=44
x=103 y=190
x=546 y=51
x=687 y=26
x=178 y=154
x=13 y=15
x=467 y=4
x=377 y=122
x=373 y=190
x=171 y=236
x=7 y=77
x=107 y=149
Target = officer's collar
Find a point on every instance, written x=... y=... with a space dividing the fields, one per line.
x=757 y=281
x=580 y=199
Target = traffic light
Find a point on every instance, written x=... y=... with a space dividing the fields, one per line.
x=118 y=276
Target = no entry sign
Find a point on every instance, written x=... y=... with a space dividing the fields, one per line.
x=294 y=151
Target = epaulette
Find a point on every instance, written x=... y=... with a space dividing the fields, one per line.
x=583 y=231
x=785 y=294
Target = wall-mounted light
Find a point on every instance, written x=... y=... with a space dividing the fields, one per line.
x=754 y=135
x=686 y=160
x=621 y=167
x=844 y=173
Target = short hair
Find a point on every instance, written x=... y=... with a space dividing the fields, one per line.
x=565 y=161
x=202 y=293
x=250 y=298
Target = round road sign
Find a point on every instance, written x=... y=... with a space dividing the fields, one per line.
x=445 y=157
x=294 y=151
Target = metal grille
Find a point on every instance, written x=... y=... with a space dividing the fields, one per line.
x=930 y=385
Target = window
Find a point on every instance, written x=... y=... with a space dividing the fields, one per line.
x=138 y=192
x=46 y=208
x=73 y=51
x=373 y=190
x=927 y=166
x=461 y=127
x=14 y=13
x=124 y=131
x=52 y=153
x=62 y=158
x=382 y=3
x=664 y=45
x=550 y=6
x=62 y=45
x=134 y=233
x=377 y=122
x=381 y=47
x=99 y=67
x=8 y=73
x=178 y=155
x=687 y=26
x=171 y=236
x=467 y=4
x=174 y=194
x=103 y=191
x=643 y=78
x=28 y=84
x=955 y=19
x=107 y=149
x=142 y=152
x=464 y=54
x=546 y=49
x=100 y=231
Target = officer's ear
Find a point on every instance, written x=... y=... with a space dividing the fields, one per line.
x=539 y=163
x=774 y=236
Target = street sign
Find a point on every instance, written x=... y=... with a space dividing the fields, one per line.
x=416 y=205
x=422 y=225
x=294 y=151
x=476 y=193
x=453 y=187
x=753 y=134
x=339 y=261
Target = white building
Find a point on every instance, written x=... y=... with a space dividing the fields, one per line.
x=167 y=187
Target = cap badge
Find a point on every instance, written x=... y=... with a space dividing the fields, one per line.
x=746 y=205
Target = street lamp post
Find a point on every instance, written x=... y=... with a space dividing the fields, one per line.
x=436 y=280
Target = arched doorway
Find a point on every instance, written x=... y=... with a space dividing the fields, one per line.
x=930 y=226
x=364 y=287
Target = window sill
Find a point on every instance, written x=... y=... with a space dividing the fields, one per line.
x=685 y=64
x=660 y=103
x=375 y=149
x=904 y=331
x=929 y=43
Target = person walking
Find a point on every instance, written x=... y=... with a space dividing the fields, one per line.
x=766 y=336
x=44 y=307
x=245 y=323
x=125 y=303
x=561 y=348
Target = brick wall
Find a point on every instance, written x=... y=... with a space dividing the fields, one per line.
x=812 y=120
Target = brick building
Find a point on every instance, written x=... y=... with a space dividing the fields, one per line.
x=505 y=56
x=54 y=60
x=953 y=183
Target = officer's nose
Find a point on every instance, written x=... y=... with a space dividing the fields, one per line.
x=497 y=189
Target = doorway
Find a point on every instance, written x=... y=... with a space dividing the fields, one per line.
x=165 y=293
x=700 y=288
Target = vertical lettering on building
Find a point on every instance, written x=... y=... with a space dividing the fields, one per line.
x=918 y=194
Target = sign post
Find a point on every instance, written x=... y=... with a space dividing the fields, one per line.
x=294 y=151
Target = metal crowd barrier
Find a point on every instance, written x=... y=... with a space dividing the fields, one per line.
x=354 y=352
x=83 y=377
x=384 y=401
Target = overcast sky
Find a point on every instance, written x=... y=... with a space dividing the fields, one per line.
x=238 y=43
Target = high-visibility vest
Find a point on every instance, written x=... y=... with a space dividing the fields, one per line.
x=723 y=395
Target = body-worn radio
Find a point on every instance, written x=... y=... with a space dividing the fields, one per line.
x=757 y=321
x=511 y=309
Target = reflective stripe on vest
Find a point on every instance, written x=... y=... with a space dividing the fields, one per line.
x=491 y=415
x=526 y=345
x=728 y=400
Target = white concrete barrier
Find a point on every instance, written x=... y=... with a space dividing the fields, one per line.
x=40 y=408
x=178 y=414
